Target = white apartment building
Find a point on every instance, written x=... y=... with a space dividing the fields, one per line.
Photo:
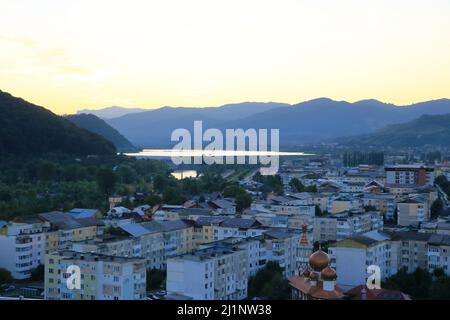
x=413 y=211
x=22 y=246
x=209 y=274
x=351 y=257
x=102 y=277
x=280 y=246
x=344 y=225
x=409 y=175
x=439 y=252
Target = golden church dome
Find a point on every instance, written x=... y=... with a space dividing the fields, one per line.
x=328 y=274
x=319 y=260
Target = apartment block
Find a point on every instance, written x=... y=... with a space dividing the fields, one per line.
x=409 y=175
x=22 y=246
x=209 y=274
x=344 y=225
x=439 y=253
x=412 y=211
x=101 y=277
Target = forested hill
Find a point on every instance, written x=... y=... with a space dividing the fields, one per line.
x=95 y=124
x=28 y=129
x=432 y=130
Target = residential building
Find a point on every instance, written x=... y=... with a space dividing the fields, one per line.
x=439 y=253
x=409 y=175
x=22 y=246
x=209 y=274
x=102 y=277
x=344 y=225
x=352 y=256
x=412 y=211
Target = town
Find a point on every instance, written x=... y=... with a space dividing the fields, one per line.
x=326 y=218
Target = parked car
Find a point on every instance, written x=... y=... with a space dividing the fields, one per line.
x=161 y=293
x=8 y=288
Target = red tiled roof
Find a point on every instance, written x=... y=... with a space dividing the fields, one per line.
x=317 y=291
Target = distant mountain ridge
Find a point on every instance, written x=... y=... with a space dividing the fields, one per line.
x=94 y=124
x=428 y=130
x=153 y=128
x=307 y=122
x=111 y=112
x=28 y=129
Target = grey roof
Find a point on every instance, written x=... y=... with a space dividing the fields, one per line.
x=135 y=229
x=443 y=225
x=439 y=239
x=208 y=220
x=410 y=235
x=82 y=213
x=363 y=240
x=278 y=234
x=61 y=220
x=155 y=226
x=65 y=221
x=240 y=223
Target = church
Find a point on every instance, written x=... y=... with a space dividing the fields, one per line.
x=317 y=281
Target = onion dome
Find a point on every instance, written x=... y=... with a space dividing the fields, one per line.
x=319 y=260
x=328 y=274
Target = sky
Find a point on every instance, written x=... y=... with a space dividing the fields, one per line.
x=69 y=55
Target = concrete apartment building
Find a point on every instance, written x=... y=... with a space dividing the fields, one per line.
x=384 y=203
x=256 y=257
x=280 y=245
x=344 y=225
x=409 y=175
x=343 y=203
x=412 y=249
x=22 y=246
x=352 y=256
x=102 y=277
x=412 y=211
x=25 y=241
x=209 y=274
x=439 y=252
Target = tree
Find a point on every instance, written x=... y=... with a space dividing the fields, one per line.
x=296 y=184
x=312 y=188
x=5 y=276
x=106 y=180
x=232 y=191
x=153 y=200
x=37 y=274
x=269 y=283
x=172 y=195
x=243 y=201
x=370 y=208
x=436 y=208
x=416 y=284
x=155 y=279
x=318 y=212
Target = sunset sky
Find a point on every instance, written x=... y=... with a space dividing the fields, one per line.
x=69 y=55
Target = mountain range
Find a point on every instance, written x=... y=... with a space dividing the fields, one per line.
x=428 y=130
x=31 y=130
x=307 y=122
x=94 y=124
